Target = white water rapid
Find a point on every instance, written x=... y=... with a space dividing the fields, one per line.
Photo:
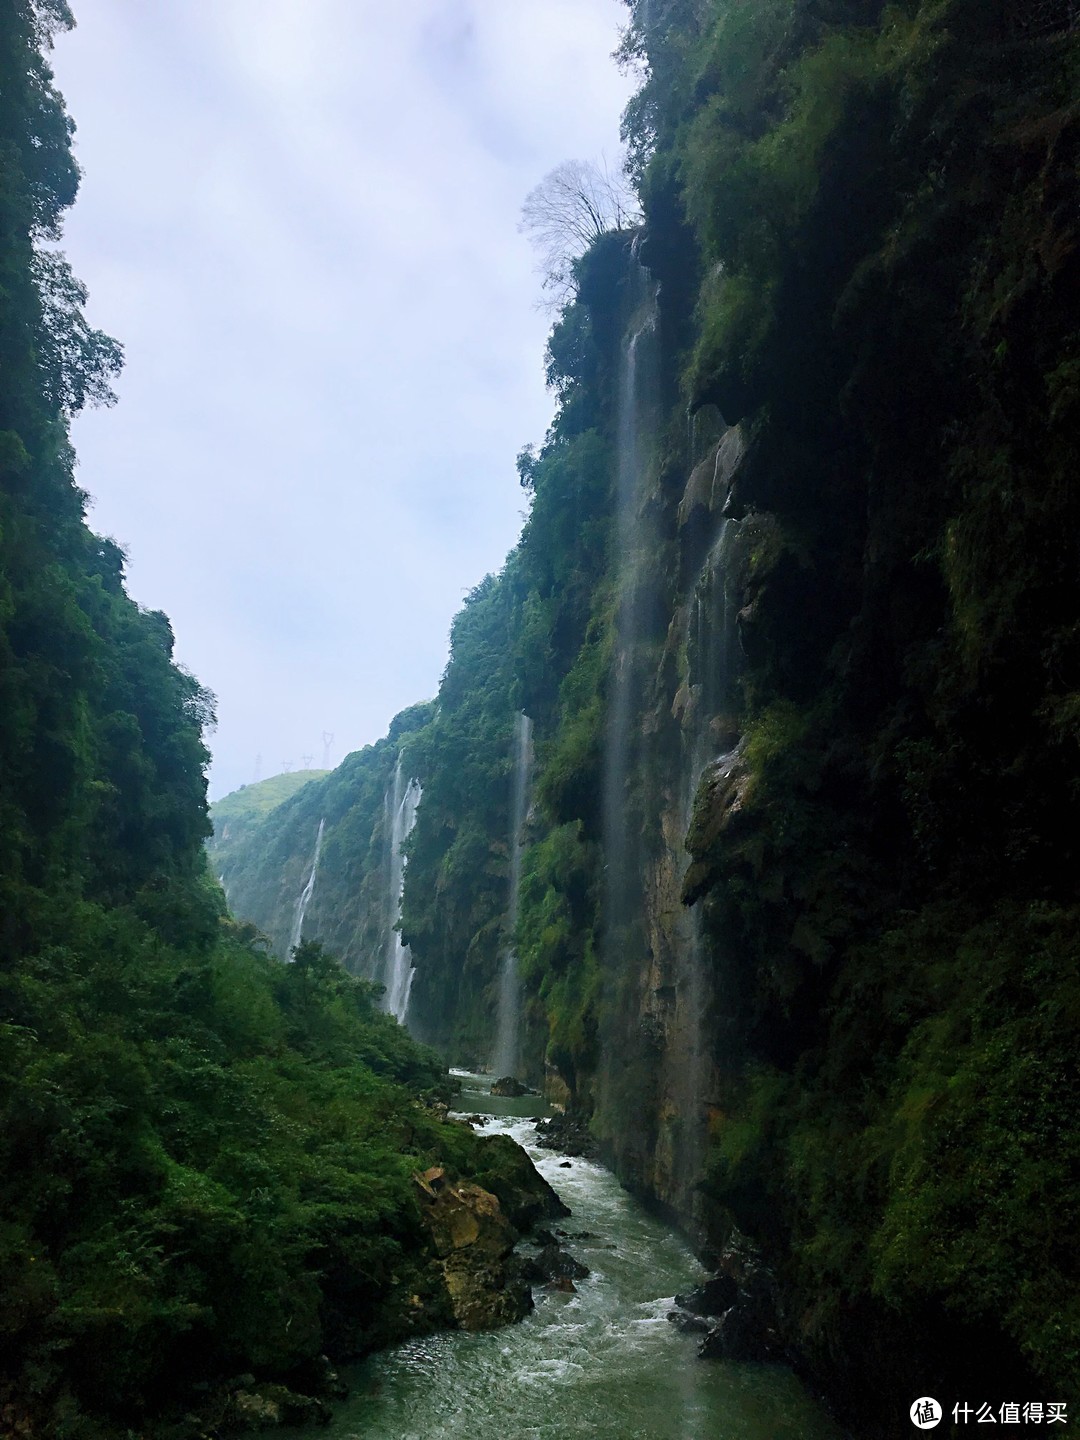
x=602 y=1362
x=508 y=1024
x=306 y=894
x=397 y=968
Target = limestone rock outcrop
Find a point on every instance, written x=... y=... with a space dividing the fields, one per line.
x=474 y=1242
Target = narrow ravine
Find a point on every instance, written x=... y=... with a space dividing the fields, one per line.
x=602 y=1362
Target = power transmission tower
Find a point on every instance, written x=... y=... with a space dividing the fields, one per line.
x=307 y=759
x=286 y=767
x=327 y=741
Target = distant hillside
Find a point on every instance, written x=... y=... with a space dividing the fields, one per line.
x=264 y=842
x=236 y=812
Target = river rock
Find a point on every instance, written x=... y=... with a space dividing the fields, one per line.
x=745 y=1289
x=568 y=1133
x=525 y=1196
x=509 y=1088
x=474 y=1242
x=689 y=1324
x=744 y=1333
x=271 y=1405
x=712 y=1298
x=551 y=1263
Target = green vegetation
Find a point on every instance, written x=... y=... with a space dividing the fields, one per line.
x=251 y=803
x=888 y=278
x=206 y=1158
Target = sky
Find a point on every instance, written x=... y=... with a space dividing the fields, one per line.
x=300 y=218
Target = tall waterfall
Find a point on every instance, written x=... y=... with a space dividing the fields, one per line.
x=397 y=967
x=638 y=395
x=508 y=1025
x=306 y=894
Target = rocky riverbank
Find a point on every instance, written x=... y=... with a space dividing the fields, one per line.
x=462 y=1274
x=736 y=1310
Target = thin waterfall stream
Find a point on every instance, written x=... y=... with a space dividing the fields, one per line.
x=602 y=1362
x=637 y=396
x=508 y=1020
x=305 y=895
x=638 y=384
x=397 y=968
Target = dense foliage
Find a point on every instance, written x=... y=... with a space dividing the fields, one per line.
x=206 y=1158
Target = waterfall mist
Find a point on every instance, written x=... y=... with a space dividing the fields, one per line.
x=508 y=1025
x=638 y=397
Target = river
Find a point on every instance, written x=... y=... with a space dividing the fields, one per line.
x=602 y=1362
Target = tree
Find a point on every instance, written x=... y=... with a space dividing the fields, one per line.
x=573 y=206
x=76 y=363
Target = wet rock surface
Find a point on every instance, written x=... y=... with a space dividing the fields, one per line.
x=551 y=1264
x=735 y=1310
x=525 y=1196
x=266 y=1406
x=474 y=1241
x=568 y=1133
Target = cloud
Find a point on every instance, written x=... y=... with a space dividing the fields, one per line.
x=302 y=222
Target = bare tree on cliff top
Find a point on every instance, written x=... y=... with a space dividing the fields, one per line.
x=574 y=205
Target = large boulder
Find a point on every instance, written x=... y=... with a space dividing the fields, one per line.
x=551 y=1264
x=714 y=1297
x=740 y=1305
x=568 y=1133
x=525 y=1196
x=474 y=1242
x=736 y=1307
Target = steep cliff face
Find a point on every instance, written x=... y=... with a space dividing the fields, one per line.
x=880 y=846
x=320 y=863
